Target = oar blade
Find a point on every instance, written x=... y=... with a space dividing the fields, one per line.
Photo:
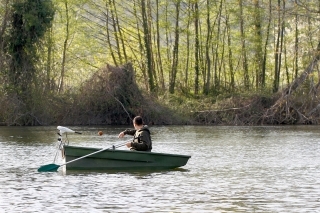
x=49 y=168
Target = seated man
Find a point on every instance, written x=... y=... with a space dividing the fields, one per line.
x=141 y=136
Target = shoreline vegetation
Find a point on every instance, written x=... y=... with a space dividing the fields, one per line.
x=112 y=97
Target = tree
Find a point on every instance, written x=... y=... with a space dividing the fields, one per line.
x=279 y=45
x=246 y=79
x=30 y=21
x=4 y=16
x=65 y=46
x=159 y=56
x=207 y=48
x=175 y=55
x=258 y=45
x=197 y=47
x=265 y=52
x=148 y=45
x=216 y=53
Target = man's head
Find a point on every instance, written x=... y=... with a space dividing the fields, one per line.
x=137 y=121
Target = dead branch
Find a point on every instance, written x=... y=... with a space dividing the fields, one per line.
x=283 y=111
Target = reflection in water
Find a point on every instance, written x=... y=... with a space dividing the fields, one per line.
x=232 y=169
x=141 y=174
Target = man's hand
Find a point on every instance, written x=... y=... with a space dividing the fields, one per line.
x=121 y=135
x=128 y=144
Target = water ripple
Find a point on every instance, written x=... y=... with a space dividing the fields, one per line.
x=232 y=169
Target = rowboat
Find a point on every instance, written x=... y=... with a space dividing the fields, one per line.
x=115 y=159
x=88 y=158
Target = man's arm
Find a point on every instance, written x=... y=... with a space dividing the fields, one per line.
x=129 y=131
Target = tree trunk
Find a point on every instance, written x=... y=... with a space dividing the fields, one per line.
x=243 y=49
x=175 y=55
x=186 y=71
x=231 y=69
x=148 y=46
x=207 y=49
x=3 y=27
x=150 y=27
x=279 y=46
x=112 y=10
x=109 y=37
x=64 y=51
x=258 y=45
x=49 y=61
x=217 y=67
x=120 y=39
x=264 y=62
x=159 y=57
x=296 y=46
x=141 y=50
x=196 y=48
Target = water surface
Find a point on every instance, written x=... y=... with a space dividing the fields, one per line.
x=232 y=169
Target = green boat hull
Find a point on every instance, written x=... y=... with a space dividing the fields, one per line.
x=121 y=159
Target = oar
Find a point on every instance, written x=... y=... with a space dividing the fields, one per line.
x=54 y=167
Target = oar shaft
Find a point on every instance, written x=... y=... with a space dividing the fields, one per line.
x=101 y=150
x=54 y=167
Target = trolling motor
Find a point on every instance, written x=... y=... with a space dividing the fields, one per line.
x=61 y=143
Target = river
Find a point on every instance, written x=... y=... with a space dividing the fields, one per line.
x=232 y=169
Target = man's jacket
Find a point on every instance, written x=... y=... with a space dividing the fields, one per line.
x=141 y=139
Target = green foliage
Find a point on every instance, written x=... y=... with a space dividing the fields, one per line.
x=25 y=28
x=87 y=34
x=30 y=20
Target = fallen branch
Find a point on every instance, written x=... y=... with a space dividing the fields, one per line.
x=221 y=110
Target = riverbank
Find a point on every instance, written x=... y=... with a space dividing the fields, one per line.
x=112 y=97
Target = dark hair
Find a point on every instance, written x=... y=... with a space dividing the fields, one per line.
x=138 y=120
